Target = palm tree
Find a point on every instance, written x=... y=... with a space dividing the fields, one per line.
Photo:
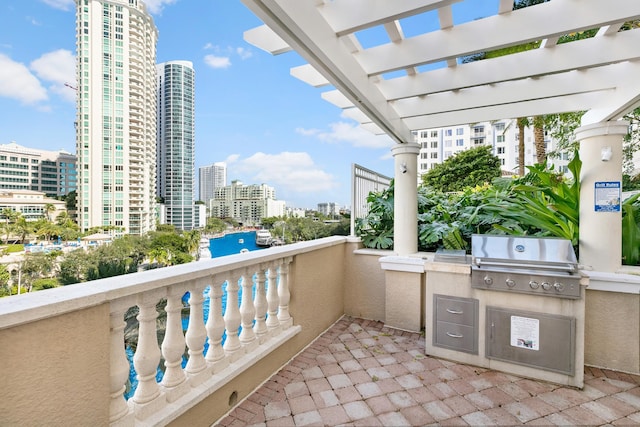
x=48 y=209
x=538 y=137
x=522 y=122
x=22 y=227
x=9 y=216
x=192 y=241
x=46 y=229
x=161 y=256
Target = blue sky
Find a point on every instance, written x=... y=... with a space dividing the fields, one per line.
x=267 y=125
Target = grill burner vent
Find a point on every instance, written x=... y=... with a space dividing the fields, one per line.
x=533 y=265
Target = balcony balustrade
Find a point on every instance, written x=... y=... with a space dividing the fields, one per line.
x=247 y=297
x=66 y=359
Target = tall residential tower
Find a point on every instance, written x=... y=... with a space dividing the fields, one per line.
x=212 y=177
x=116 y=115
x=176 y=142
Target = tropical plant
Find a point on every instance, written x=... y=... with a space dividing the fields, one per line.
x=631 y=230
x=9 y=216
x=376 y=229
x=543 y=202
x=465 y=169
x=191 y=241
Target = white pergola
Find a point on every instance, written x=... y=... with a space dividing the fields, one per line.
x=404 y=83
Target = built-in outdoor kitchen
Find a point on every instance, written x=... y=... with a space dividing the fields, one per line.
x=515 y=304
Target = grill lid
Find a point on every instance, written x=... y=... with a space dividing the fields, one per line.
x=523 y=252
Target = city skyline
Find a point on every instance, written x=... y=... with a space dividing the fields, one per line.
x=250 y=112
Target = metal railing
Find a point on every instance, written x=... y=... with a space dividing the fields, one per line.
x=363 y=182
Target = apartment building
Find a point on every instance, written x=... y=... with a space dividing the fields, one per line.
x=175 y=148
x=246 y=204
x=49 y=172
x=439 y=144
x=116 y=115
x=329 y=208
x=210 y=178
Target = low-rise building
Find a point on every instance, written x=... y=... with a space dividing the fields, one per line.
x=33 y=205
x=246 y=204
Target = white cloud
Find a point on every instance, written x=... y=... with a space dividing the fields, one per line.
x=156 y=6
x=57 y=67
x=222 y=55
x=17 y=82
x=232 y=159
x=60 y=4
x=244 y=53
x=287 y=171
x=217 y=61
x=349 y=133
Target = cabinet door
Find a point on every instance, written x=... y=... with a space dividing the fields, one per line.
x=540 y=340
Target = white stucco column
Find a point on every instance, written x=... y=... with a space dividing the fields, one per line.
x=600 y=183
x=405 y=207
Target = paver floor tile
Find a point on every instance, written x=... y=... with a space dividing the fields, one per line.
x=360 y=373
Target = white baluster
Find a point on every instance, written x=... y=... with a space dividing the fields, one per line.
x=174 y=380
x=215 y=329
x=273 y=324
x=283 y=292
x=196 y=336
x=247 y=314
x=119 y=372
x=146 y=357
x=260 y=302
x=232 y=346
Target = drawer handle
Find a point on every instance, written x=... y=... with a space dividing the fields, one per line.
x=454 y=311
x=455 y=335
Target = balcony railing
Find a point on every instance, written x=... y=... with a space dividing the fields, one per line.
x=254 y=287
x=64 y=350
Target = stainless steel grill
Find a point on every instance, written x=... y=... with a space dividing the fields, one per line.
x=531 y=265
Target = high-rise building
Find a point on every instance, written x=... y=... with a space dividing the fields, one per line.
x=212 y=177
x=176 y=142
x=116 y=115
x=49 y=172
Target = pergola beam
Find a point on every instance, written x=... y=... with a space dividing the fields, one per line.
x=300 y=25
x=521 y=26
x=356 y=15
x=582 y=54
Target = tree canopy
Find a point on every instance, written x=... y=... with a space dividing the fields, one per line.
x=469 y=168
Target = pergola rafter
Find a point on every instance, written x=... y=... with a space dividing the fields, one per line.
x=409 y=83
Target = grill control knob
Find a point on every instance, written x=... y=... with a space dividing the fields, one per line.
x=546 y=286
x=534 y=285
x=488 y=280
x=510 y=283
x=559 y=286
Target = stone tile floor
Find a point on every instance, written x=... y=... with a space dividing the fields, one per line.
x=360 y=373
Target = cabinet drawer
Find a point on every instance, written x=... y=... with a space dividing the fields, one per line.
x=463 y=311
x=456 y=337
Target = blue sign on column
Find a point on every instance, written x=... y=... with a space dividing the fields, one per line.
x=607 y=196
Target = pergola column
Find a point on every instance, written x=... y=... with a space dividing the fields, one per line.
x=405 y=206
x=600 y=246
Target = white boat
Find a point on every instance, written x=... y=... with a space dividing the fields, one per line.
x=263 y=238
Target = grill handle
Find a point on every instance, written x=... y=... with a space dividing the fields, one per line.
x=559 y=267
